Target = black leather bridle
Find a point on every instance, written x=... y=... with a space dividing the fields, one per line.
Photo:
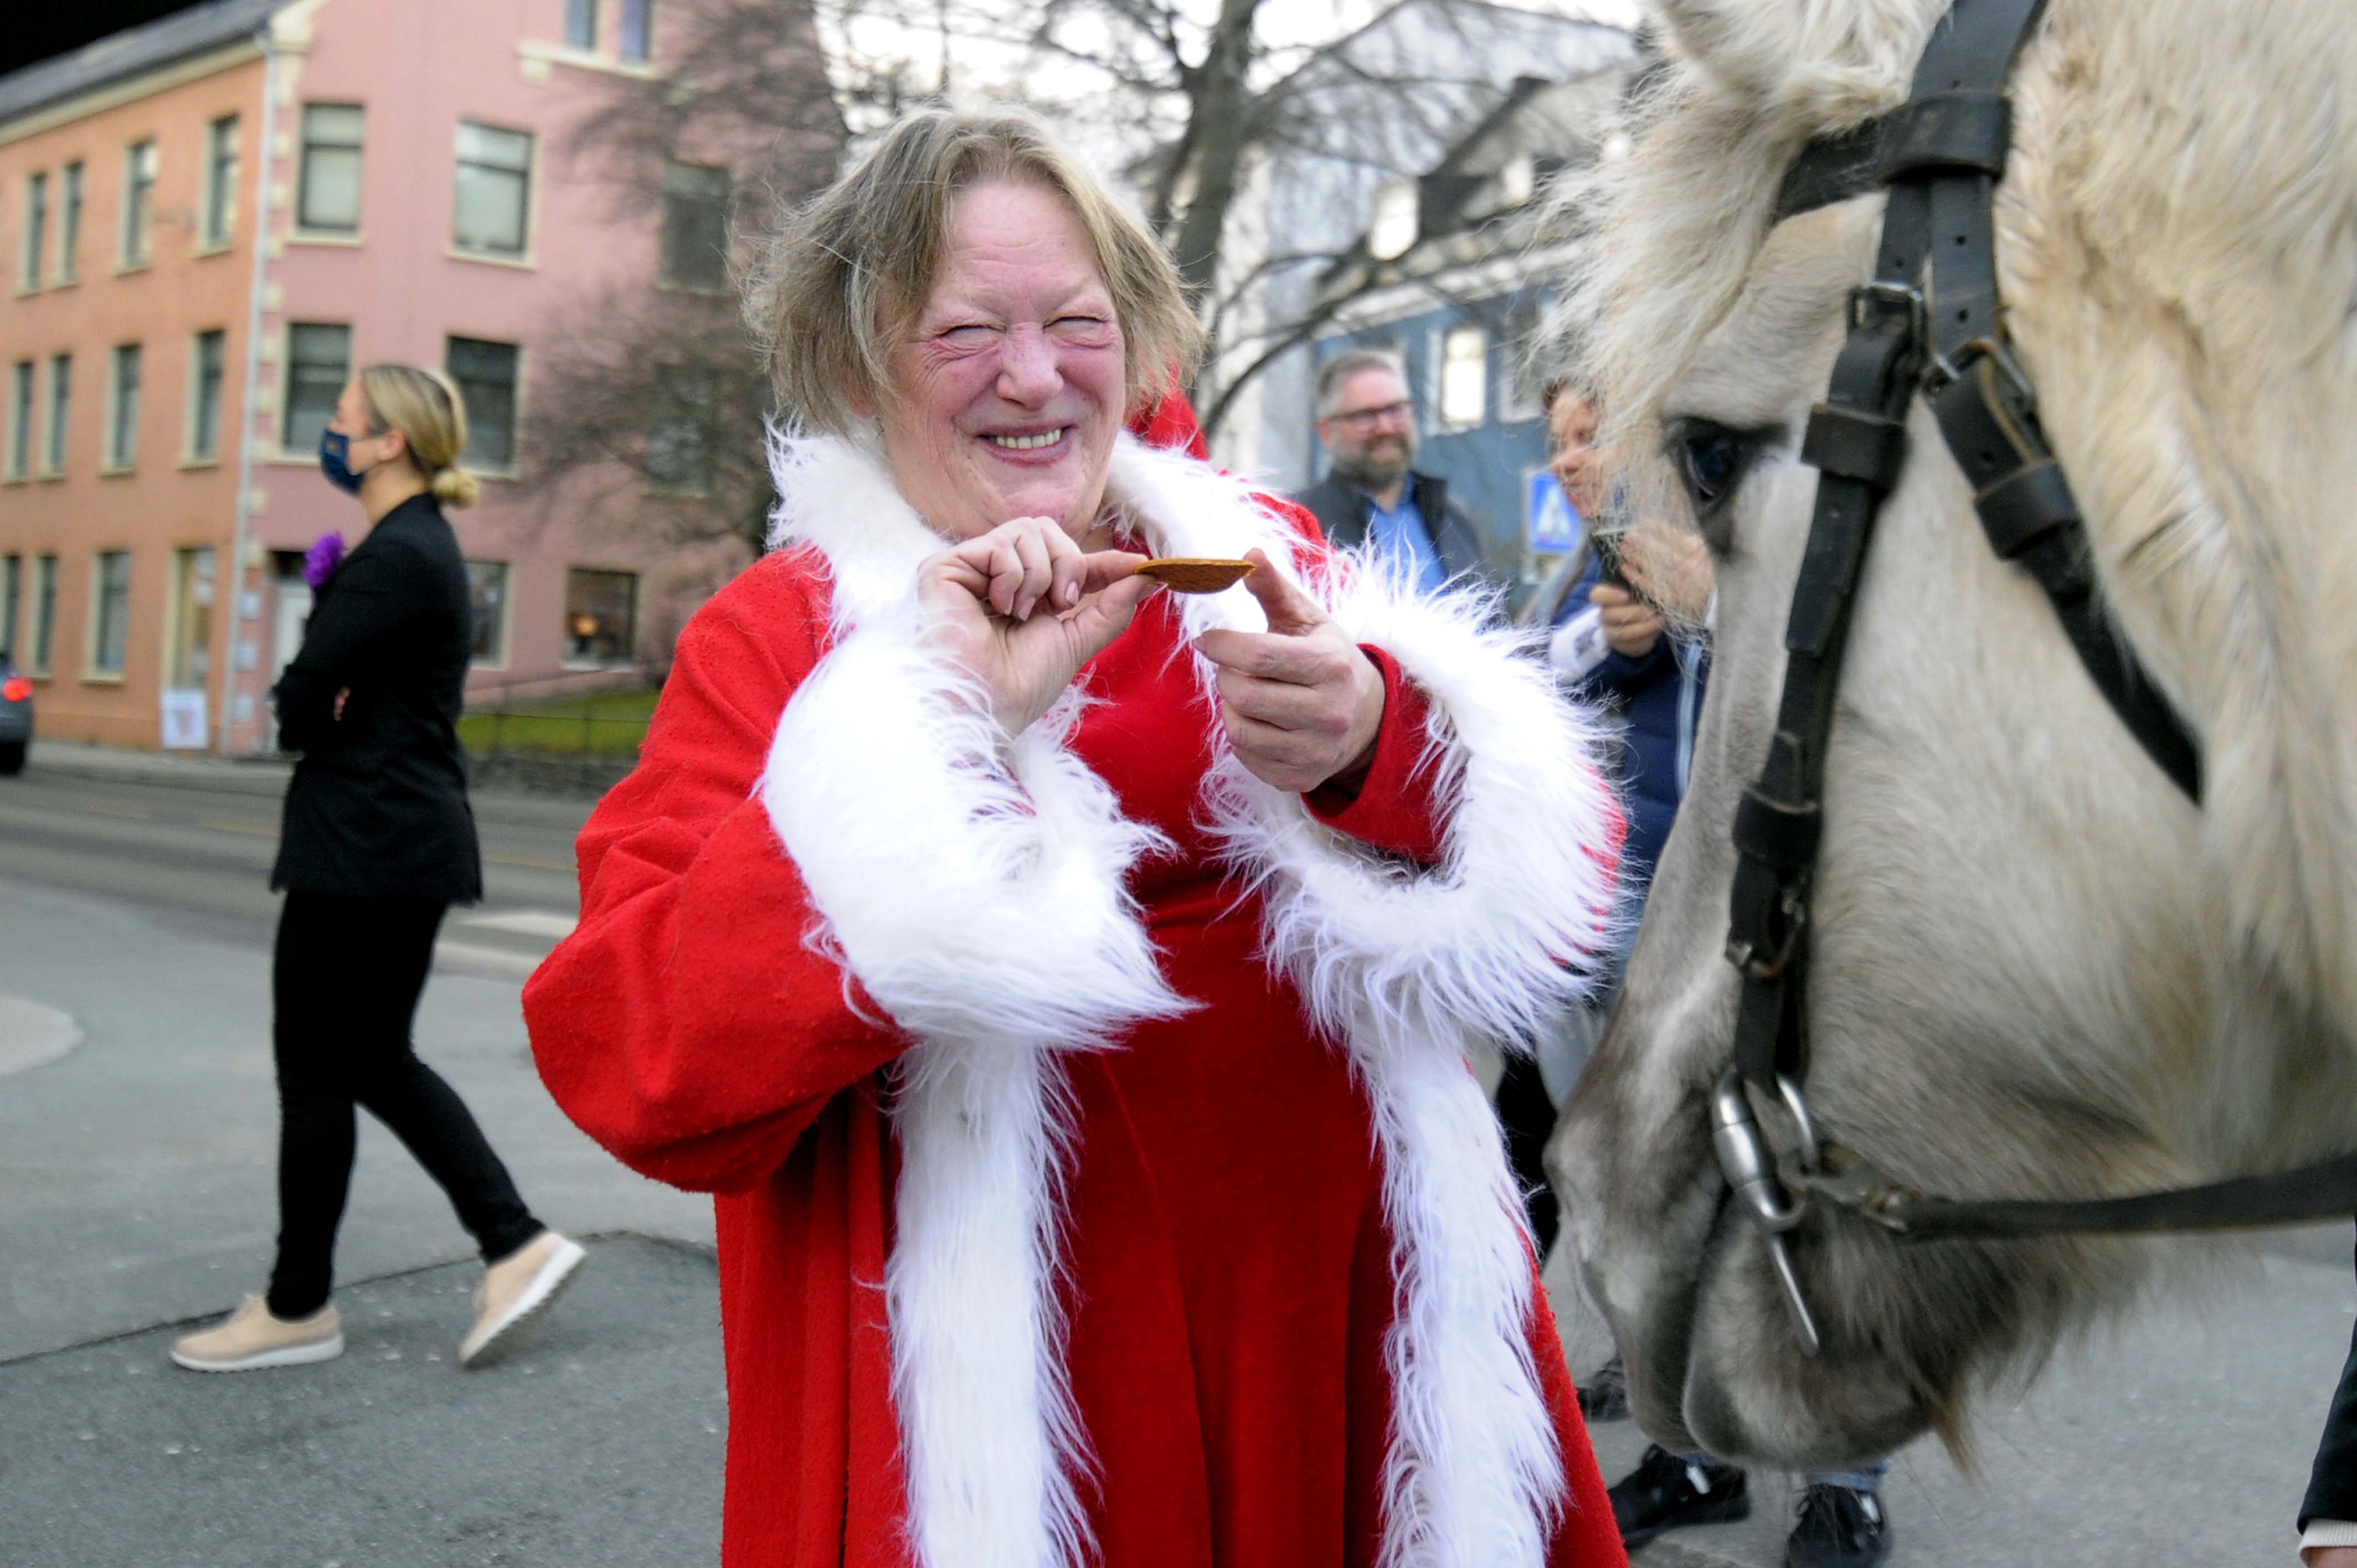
x=1929 y=323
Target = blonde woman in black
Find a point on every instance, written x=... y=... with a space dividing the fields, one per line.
x=377 y=841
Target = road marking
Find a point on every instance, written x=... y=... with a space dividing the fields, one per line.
x=545 y=923
x=246 y=829
x=497 y=962
x=534 y=861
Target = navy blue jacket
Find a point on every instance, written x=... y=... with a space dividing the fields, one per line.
x=1658 y=697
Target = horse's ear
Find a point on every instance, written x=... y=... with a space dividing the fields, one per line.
x=1830 y=61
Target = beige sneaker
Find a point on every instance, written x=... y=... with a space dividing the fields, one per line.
x=515 y=1291
x=251 y=1338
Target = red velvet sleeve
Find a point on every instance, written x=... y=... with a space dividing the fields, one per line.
x=685 y=1025
x=1394 y=809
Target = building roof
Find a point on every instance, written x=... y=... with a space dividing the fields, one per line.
x=199 y=28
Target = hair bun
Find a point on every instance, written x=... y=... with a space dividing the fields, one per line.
x=454 y=486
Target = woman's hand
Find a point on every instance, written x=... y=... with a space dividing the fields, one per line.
x=1302 y=703
x=1023 y=608
x=1630 y=625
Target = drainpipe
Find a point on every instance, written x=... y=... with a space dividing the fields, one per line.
x=266 y=173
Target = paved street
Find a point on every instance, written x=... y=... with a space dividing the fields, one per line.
x=137 y=1129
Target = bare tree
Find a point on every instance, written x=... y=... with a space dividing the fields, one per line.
x=647 y=407
x=1193 y=98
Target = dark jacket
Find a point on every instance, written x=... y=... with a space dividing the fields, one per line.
x=378 y=805
x=2333 y=1485
x=1659 y=698
x=1343 y=512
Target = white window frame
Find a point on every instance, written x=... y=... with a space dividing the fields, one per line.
x=34 y=238
x=72 y=190
x=306 y=232
x=191 y=455
x=1449 y=380
x=126 y=259
x=112 y=446
x=59 y=412
x=505 y=639
x=523 y=257
x=217 y=220
x=286 y=454
x=24 y=403
x=92 y=673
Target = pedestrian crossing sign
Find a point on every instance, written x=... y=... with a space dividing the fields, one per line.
x=1549 y=519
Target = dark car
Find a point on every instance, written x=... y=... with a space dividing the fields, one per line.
x=16 y=716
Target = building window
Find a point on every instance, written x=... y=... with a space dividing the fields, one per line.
x=329 y=201
x=493 y=211
x=581 y=24
x=69 y=223
x=192 y=617
x=12 y=588
x=485 y=374
x=53 y=460
x=637 y=40
x=36 y=223
x=123 y=409
x=205 y=366
x=1464 y=376
x=20 y=419
x=44 y=613
x=1391 y=229
x=677 y=456
x=1522 y=380
x=110 y=612
x=599 y=611
x=487 y=587
x=138 y=202
x=318 y=364
x=695 y=227
x=220 y=178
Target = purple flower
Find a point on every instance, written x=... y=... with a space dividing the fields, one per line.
x=320 y=561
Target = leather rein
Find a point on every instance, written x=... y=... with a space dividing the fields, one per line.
x=1929 y=323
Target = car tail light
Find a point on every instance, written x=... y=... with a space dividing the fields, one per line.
x=16 y=690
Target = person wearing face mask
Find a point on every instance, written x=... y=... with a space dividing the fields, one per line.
x=377 y=840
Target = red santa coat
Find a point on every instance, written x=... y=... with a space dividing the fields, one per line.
x=1100 y=1174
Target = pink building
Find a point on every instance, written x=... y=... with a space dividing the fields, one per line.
x=402 y=163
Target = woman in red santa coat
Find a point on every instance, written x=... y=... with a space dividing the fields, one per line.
x=1066 y=987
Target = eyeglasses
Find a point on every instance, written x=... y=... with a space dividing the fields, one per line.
x=1360 y=419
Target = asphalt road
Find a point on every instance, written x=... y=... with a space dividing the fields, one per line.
x=194 y=850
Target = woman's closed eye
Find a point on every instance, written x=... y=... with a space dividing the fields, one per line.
x=1711 y=460
x=968 y=335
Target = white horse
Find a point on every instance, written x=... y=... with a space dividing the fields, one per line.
x=2039 y=971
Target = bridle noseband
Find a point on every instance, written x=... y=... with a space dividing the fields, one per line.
x=1929 y=323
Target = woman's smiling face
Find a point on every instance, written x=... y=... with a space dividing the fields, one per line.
x=1008 y=391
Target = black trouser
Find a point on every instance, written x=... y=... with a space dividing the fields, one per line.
x=345 y=978
x=1527 y=1114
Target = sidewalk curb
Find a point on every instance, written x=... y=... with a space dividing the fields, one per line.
x=72 y=759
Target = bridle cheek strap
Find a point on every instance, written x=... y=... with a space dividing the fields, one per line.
x=1930 y=322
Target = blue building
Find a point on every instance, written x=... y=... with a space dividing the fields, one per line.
x=1452 y=274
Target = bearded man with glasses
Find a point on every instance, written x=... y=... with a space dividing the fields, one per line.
x=1367 y=424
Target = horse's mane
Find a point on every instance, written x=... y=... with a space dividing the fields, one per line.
x=2177 y=240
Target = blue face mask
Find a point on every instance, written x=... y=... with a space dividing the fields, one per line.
x=335 y=452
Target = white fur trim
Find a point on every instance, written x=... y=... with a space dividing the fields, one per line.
x=1407 y=968
x=984 y=912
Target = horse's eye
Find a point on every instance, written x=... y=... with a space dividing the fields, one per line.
x=1710 y=460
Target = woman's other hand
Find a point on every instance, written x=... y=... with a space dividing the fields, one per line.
x=1302 y=702
x=1023 y=608
x=1630 y=625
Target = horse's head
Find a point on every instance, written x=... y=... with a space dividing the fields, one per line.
x=2038 y=970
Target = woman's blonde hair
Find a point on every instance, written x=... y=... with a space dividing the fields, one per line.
x=432 y=418
x=837 y=283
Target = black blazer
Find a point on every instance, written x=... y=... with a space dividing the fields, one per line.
x=378 y=805
x=1343 y=511
x=2333 y=1485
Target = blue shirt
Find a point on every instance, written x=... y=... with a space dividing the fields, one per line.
x=1400 y=534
